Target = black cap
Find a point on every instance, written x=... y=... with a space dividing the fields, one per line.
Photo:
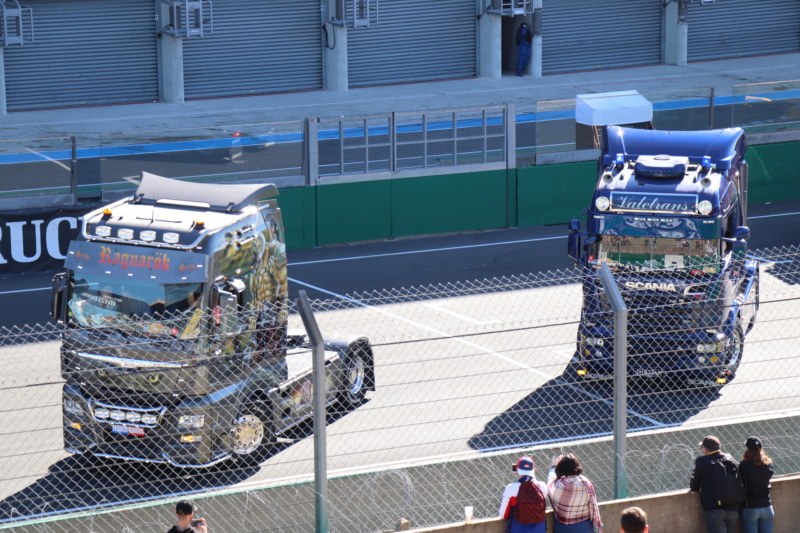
x=184 y=507
x=753 y=443
x=710 y=443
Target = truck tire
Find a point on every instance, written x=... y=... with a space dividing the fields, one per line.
x=735 y=353
x=353 y=389
x=252 y=434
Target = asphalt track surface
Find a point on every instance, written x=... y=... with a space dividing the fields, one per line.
x=443 y=397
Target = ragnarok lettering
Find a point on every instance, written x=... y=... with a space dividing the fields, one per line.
x=157 y=261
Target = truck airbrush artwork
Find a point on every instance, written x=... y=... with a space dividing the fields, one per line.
x=668 y=215
x=175 y=347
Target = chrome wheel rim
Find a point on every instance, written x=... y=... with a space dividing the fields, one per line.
x=356 y=374
x=248 y=434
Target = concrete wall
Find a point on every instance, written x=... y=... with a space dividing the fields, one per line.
x=672 y=511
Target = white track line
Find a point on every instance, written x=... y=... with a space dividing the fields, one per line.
x=465 y=318
x=59 y=163
x=409 y=252
x=656 y=423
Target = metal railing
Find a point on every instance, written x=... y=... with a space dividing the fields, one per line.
x=370 y=145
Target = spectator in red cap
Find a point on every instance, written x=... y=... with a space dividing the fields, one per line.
x=524 y=502
x=756 y=469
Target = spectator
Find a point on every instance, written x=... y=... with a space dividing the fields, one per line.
x=573 y=498
x=633 y=520
x=524 y=516
x=719 y=517
x=524 y=43
x=756 y=470
x=185 y=510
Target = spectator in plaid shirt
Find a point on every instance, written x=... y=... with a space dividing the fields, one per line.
x=573 y=498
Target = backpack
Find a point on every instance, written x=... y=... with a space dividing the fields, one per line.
x=530 y=505
x=727 y=482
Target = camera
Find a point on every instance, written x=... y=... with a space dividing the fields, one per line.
x=514 y=468
x=196 y=522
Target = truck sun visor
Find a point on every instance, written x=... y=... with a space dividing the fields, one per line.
x=136 y=262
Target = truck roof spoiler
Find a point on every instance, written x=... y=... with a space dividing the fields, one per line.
x=216 y=197
x=724 y=146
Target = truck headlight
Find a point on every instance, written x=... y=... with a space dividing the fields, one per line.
x=591 y=341
x=191 y=421
x=102 y=412
x=704 y=207
x=602 y=203
x=73 y=408
x=717 y=345
x=150 y=420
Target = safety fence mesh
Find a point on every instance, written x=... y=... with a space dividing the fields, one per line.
x=467 y=377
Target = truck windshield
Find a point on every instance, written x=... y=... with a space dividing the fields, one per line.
x=136 y=307
x=657 y=252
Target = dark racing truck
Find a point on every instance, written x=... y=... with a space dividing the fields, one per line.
x=175 y=346
x=668 y=215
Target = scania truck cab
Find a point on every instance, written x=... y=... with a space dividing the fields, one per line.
x=175 y=345
x=669 y=217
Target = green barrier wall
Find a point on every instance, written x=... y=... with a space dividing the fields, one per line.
x=773 y=172
x=452 y=202
x=526 y=196
x=554 y=194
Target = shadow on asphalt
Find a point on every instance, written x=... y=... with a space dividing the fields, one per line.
x=566 y=409
x=82 y=481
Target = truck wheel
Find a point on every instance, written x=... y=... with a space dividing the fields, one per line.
x=251 y=435
x=353 y=389
x=735 y=354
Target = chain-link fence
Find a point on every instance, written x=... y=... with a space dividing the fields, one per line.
x=467 y=375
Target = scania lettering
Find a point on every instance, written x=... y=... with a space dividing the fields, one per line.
x=669 y=217
x=175 y=347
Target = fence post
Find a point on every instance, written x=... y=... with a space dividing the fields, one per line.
x=320 y=426
x=73 y=169
x=620 y=380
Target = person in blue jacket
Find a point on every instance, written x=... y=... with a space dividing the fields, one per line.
x=524 y=43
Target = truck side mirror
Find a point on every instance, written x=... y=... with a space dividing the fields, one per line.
x=57 y=297
x=741 y=233
x=574 y=225
x=573 y=239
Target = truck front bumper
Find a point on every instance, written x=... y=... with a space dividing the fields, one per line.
x=120 y=439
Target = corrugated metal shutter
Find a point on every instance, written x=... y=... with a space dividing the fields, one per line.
x=581 y=35
x=414 y=40
x=258 y=47
x=731 y=28
x=86 y=52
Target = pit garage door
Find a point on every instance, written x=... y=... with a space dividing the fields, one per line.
x=257 y=47
x=86 y=52
x=414 y=40
x=579 y=35
x=732 y=28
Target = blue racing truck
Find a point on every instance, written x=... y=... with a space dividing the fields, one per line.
x=668 y=215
